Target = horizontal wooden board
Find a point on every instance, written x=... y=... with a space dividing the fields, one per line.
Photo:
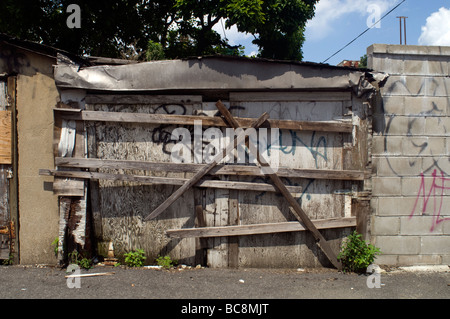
x=142 y=99
x=144 y=118
x=269 y=228
x=5 y=137
x=68 y=187
x=218 y=170
x=260 y=187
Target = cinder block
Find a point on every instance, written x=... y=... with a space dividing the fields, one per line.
x=446 y=259
x=412 y=186
x=421 y=105
x=446 y=222
x=440 y=163
x=404 y=125
x=395 y=206
x=435 y=245
x=419 y=225
x=385 y=225
x=393 y=105
x=437 y=126
x=425 y=65
x=378 y=145
x=390 y=260
x=412 y=260
x=387 y=186
x=424 y=146
x=398 y=245
x=399 y=166
x=389 y=145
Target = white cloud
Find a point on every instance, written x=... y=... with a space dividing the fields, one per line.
x=329 y=13
x=436 y=31
x=232 y=34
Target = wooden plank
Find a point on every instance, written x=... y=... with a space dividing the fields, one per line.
x=68 y=187
x=142 y=99
x=269 y=228
x=203 y=171
x=297 y=210
x=173 y=119
x=260 y=187
x=91 y=274
x=5 y=137
x=290 y=96
x=200 y=243
x=218 y=170
x=233 y=219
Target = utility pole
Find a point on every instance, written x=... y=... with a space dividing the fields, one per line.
x=404 y=27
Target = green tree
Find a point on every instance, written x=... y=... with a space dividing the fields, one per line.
x=277 y=25
x=128 y=28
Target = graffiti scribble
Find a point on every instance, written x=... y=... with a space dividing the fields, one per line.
x=436 y=192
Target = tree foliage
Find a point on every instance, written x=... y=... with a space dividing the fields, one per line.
x=180 y=28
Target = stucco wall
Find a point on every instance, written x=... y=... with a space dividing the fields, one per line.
x=37 y=95
x=411 y=183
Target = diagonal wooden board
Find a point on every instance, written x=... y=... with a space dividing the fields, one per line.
x=301 y=216
x=193 y=180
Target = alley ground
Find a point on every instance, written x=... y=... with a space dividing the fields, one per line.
x=20 y=282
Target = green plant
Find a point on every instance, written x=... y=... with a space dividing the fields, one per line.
x=9 y=261
x=135 y=258
x=356 y=255
x=165 y=262
x=76 y=258
x=55 y=244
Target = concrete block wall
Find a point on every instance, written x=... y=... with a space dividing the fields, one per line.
x=410 y=153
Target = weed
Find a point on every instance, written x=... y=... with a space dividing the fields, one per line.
x=356 y=255
x=165 y=262
x=76 y=258
x=135 y=258
x=55 y=244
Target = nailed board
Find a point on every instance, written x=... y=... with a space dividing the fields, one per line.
x=5 y=137
x=122 y=205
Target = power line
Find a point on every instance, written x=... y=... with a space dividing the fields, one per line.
x=363 y=32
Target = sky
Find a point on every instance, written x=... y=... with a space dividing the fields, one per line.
x=337 y=22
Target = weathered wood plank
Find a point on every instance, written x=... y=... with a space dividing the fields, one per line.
x=218 y=170
x=259 y=187
x=301 y=216
x=5 y=137
x=173 y=119
x=142 y=99
x=65 y=187
x=204 y=170
x=269 y=228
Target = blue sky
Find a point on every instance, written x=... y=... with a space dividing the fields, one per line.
x=337 y=22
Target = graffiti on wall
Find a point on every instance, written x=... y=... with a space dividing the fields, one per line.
x=433 y=196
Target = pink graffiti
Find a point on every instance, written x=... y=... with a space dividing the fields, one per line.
x=436 y=191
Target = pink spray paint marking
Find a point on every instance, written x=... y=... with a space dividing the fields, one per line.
x=433 y=193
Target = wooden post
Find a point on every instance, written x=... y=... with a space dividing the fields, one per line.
x=301 y=216
x=191 y=182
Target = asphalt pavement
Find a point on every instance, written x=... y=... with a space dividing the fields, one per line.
x=106 y=282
